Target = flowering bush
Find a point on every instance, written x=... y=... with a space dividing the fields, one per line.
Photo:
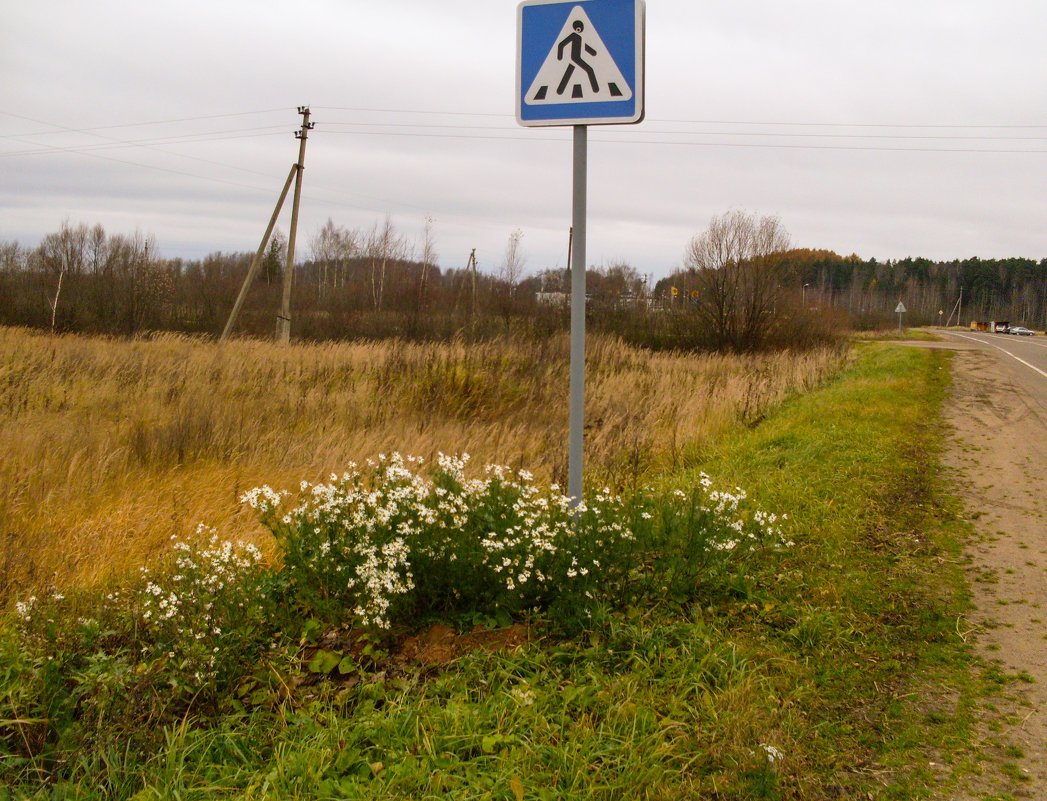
x=201 y=615
x=100 y=666
x=387 y=544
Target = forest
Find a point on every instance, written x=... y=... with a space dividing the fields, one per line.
x=1012 y=289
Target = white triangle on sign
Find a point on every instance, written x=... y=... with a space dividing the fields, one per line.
x=900 y=308
x=578 y=69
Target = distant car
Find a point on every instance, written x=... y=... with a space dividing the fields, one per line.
x=1021 y=331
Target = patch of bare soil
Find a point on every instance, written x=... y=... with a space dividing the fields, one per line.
x=999 y=459
x=433 y=647
x=441 y=644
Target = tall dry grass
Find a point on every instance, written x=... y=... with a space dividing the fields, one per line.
x=109 y=447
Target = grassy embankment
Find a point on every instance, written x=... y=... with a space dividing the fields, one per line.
x=111 y=447
x=809 y=675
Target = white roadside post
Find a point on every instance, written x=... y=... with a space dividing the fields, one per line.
x=579 y=64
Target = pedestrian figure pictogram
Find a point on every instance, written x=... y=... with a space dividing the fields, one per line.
x=578 y=68
x=576 y=43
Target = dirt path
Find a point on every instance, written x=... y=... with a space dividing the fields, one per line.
x=999 y=459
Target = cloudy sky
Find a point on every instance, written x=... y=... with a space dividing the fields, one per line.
x=896 y=128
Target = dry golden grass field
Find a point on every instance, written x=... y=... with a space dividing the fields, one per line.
x=110 y=446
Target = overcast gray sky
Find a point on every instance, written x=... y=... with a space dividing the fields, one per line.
x=896 y=128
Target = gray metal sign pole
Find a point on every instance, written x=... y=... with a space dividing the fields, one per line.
x=575 y=448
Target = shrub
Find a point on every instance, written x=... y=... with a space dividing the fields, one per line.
x=107 y=668
x=204 y=615
x=388 y=546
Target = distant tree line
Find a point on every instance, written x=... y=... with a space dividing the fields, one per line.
x=373 y=283
x=354 y=283
x=741 y=287
x=868 y=291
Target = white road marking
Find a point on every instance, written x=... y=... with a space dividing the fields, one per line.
x=991 y=345
x=1029 y=341
x=1014 y=339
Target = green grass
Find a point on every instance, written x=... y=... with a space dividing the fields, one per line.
x=874 y=597
x=841 y=654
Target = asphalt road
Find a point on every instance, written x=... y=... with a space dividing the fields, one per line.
x=1024 y=358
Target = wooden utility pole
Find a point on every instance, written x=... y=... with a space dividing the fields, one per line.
x=256 y=262
x=283 y=320
x=472 y=269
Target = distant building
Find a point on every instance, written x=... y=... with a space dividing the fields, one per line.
x=552 y=298
x=992 y=327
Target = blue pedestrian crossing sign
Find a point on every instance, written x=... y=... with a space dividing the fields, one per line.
x=580 y=62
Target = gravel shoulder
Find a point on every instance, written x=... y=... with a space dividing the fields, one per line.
x=998 y=459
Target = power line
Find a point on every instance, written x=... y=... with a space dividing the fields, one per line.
x=168 y=170
x=62 y=130
x=387 y=201
x=135 y=124
x=217 y=136
x=757 y=145
x=775 y=146
x=697 y=121
x=645 y=131
x=314 y=193
x=451 y=113
x=87 y=150
x=416 y=111
x=846 y=124
x=119 y=144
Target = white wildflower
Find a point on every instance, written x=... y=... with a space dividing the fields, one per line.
x=772 y=753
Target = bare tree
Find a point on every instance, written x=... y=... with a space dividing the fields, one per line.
x=382 y=246
x=621 y=279
x=13 y=257
x=63 y=252
x=734 y=263
x=141 y=283
x=332 y=247
x=511 y=270
x=97 y=249
x=428 y=259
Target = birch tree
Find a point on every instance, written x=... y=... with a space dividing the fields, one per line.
x=383 y=245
